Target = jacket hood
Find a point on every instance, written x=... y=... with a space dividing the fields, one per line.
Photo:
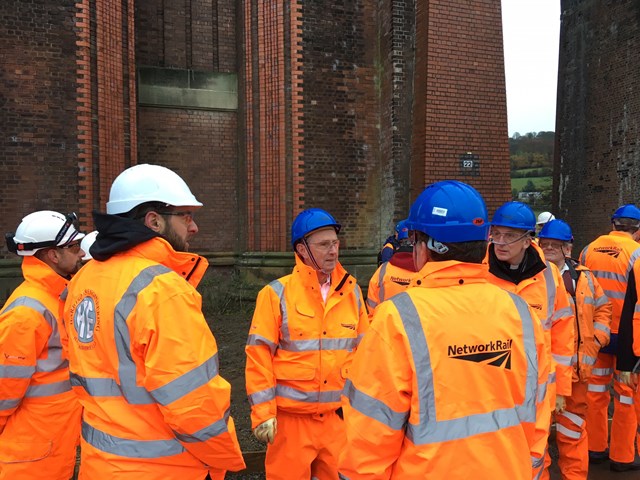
x=117 y=234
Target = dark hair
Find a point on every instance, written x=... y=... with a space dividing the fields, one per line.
x=140 y=211
x=629 y=225
x=468 y=252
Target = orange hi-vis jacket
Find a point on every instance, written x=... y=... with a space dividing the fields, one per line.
x=389 y=279
x=145 y=366
x=546 y=294
x=449 y=382
x=39 y=414
x=299 y=347
x=592 y=311
x=611 y=257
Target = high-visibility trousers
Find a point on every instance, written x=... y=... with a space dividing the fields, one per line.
x=624 y=426
x=571 y=435
x=306 y=446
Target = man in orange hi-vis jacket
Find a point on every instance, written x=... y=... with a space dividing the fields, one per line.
x=142 y=358
x=39 y=414
x=592 y=311
x=449 y=381
x=304 y=331
x=612 y=258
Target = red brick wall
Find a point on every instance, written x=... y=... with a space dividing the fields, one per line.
x=597 y=165
x=38 y=158
x=464 y=99
x=201 y=146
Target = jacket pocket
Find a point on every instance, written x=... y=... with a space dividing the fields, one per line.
x=12 y=451
x=293 y=371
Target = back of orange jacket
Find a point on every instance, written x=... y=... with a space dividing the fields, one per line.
x=448 y=382
x=39 y=414
x=389 y=279
x=145 y=366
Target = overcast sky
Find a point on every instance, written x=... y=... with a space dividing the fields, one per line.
x=531 y=38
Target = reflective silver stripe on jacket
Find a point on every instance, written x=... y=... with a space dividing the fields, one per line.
x=602 y=372
x=563 y=312
x=602 y=328
x=609 y=275
x=130 y=448
x=9 y=403
x=54 y=360
x=429 y=429
x=256 y=340
x=187 y=382
x=48 y=389
x=16 y=371
x=597 y=388
x=383 y=270
x=562 y=359
x=374 y=408
x=551 y=295
x=126 y=367
x=291 y=393
x=262 y=396
x=210 y=431
x=632 y=259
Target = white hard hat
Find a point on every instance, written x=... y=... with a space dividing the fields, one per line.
x=86 y=243
x=43 y=229
x=148 y=183
x=545 y=217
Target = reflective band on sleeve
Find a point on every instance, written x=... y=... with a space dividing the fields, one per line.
x=383 y=270
x=187 y=382
x=16 y=371
x=566 y=432
x=48 y=389
x=96 y=387
x=573 y=418
x=537 y=462
x=54 y=360
x=546 y=324
x=329 y=396
x=623 y=399
x=632 y=259
x=210 y=431
x=371 y=303
x=562 y=359
x=602 y=372
x=10 y=403
x=374 y=408
x=551 y=290
x=563 y=312
x=256 y=340
x=589 y=301
x=358 y=298
x=542 y=392
x=130 y=448
x=262 y=396
x=429 y=429
x=602 y=328
x=126 y=367
x=602 y=300
x=587 y=360
x=597 y=388
x=278 y=288
x=552 y=377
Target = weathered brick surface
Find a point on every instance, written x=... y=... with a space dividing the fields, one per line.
x=597 y=164
x=201 y=146
x=38 y=124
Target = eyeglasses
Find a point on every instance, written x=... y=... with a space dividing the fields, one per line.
x=187 y=216
x=326 y=245
x=550 y=246
x=507 y=238
x=72 y=247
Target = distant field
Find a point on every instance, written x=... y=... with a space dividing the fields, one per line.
x=542 y=183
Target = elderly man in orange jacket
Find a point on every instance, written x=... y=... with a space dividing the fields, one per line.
x=39 y=414
x=142 y=358
x=449 y=381
x=592 y=311
x=304 y=331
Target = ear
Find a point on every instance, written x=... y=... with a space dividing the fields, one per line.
x=301 y=249
x=52 y=256
x=154 y=221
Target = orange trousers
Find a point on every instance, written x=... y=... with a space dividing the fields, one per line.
x=626 y=403
x=571 y=435
x=306 y=446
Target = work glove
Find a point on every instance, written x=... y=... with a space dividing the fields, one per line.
x=266 y=431
x=629 y=379
x=560 y=403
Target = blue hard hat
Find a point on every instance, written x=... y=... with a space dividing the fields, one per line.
x=402 y=230
x=310 y=220
x=627 y=211
x=450 y=211
x=514 y=215
x=556 y=230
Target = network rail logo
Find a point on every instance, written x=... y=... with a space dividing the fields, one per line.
x=496 y=353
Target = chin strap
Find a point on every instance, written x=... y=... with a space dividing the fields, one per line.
x=436 y=246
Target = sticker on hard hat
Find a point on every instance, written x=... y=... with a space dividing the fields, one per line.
x=441 y=212
x=478 y=221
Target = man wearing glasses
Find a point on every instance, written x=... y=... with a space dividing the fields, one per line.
x=518 y=265
x=304 y=331
x=143 y=360
x=592 y=311
x=39 y=414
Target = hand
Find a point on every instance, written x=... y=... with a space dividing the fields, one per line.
x=266 y=431
x=635 y=379
x=561 y=403
x=625 y=377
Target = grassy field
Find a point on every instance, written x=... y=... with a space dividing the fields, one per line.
x=541 y=183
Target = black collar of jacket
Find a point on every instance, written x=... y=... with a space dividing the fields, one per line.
x=530 y=266
x=117 y=234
